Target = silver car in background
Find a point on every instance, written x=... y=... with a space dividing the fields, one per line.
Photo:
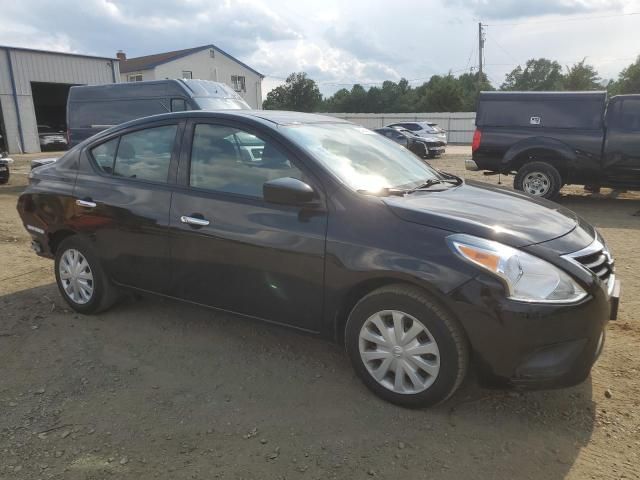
x=424 y=129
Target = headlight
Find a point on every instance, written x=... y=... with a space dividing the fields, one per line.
x=527 y=278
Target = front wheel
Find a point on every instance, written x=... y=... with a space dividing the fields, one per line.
x=538 y=179
x=80 y=278
x=405 y=347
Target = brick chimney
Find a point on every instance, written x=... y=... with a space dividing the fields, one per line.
x=121 y=55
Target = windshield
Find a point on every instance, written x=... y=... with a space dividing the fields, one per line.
x=359 y=157
x=216 y=103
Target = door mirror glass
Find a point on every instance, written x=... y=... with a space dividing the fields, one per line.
x=287 y=191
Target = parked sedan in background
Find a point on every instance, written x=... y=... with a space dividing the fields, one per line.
x=406 y=139
x=434 y=148
x=333 y=230
x=427 y=130
x=52 y=138
x=5 y=161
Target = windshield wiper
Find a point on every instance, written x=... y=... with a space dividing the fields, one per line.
x=423 y=186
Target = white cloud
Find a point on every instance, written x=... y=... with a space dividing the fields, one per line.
x=336 y=42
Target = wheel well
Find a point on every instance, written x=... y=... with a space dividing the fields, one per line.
x=55 y=239
x=539 y=155
x=354 y=295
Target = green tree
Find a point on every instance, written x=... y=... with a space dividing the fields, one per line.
x=629 y=79
x=299 y=93
x=538 y=74
x=582 y=77
x=470 y=89
x=441 y=94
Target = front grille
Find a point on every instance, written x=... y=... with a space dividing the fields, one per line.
x=597 y=259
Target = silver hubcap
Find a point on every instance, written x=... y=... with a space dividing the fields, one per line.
x=536 y=183
x=399 y=352
x=76 y=276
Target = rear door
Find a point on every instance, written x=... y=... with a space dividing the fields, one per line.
x=232 y=250
x=622 y=142
x=123 y=195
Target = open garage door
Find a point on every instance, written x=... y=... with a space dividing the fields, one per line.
x=3 y=133
x=50 y=104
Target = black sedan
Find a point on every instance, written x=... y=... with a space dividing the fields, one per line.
x=331 y=229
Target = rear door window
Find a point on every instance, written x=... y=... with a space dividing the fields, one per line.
x=146 y=154
x=629 y=119
x=104 y=155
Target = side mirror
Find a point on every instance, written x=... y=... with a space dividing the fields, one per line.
x=287 y=191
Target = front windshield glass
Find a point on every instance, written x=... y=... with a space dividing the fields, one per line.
x=216 y=103
x=359 y=157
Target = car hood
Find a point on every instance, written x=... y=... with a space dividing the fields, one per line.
x=489 y=212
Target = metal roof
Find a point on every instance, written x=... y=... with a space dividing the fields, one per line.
x=51 y=52
x=151 y=61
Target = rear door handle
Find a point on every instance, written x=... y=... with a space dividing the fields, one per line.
x=86 y=203
x=200 y=222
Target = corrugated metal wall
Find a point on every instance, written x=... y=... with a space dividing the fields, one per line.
x=459 y=125
x=34 y=66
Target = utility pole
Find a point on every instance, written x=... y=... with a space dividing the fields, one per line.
x=480 y=52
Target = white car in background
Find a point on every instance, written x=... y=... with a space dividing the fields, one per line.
x=424 y=129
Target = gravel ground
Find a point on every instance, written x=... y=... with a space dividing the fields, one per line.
x=157 y=389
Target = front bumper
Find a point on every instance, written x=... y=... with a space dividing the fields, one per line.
x=532 y=345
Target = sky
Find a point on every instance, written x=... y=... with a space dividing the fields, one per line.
x=337 y=42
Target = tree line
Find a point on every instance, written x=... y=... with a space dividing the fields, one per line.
x=446 y=93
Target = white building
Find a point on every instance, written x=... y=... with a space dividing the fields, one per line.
x=207 y=62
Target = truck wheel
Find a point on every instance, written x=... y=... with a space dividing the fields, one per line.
x=538 y=179
x=405 y=347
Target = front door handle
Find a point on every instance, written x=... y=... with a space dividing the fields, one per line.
x=199 y=222
x=86 y=203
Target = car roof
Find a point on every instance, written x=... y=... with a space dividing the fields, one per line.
x=266 y=117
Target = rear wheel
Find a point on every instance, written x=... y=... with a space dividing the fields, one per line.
x=405 y=347
x=538 y=179
x=80 y=277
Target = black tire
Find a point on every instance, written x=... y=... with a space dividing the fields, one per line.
x=104 y=293
x=4 y=180
x=443 y=328
x=551 y=180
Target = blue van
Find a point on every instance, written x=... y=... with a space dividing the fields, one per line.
x=93 y=108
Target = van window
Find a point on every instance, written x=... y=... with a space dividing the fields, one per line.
x=178 y=105
x=146 y=154
x=553 y=113
x=113 y=112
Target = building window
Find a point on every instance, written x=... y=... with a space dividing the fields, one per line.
x=187 y=74
x=135 y=77
x=238 y=83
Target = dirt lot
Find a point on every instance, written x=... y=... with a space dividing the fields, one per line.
x=157 y=389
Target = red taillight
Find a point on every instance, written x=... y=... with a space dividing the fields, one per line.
x=68 y=135
x=477 y=138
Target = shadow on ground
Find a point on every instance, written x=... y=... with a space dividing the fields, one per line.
x=158 y=388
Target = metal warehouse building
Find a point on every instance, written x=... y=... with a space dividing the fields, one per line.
x=34 y=85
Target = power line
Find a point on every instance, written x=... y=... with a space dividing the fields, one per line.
x=566 y=20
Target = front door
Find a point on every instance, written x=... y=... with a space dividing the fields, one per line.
x=622 y=144
x=232 y=250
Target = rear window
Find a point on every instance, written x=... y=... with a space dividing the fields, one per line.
x=554 y=113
